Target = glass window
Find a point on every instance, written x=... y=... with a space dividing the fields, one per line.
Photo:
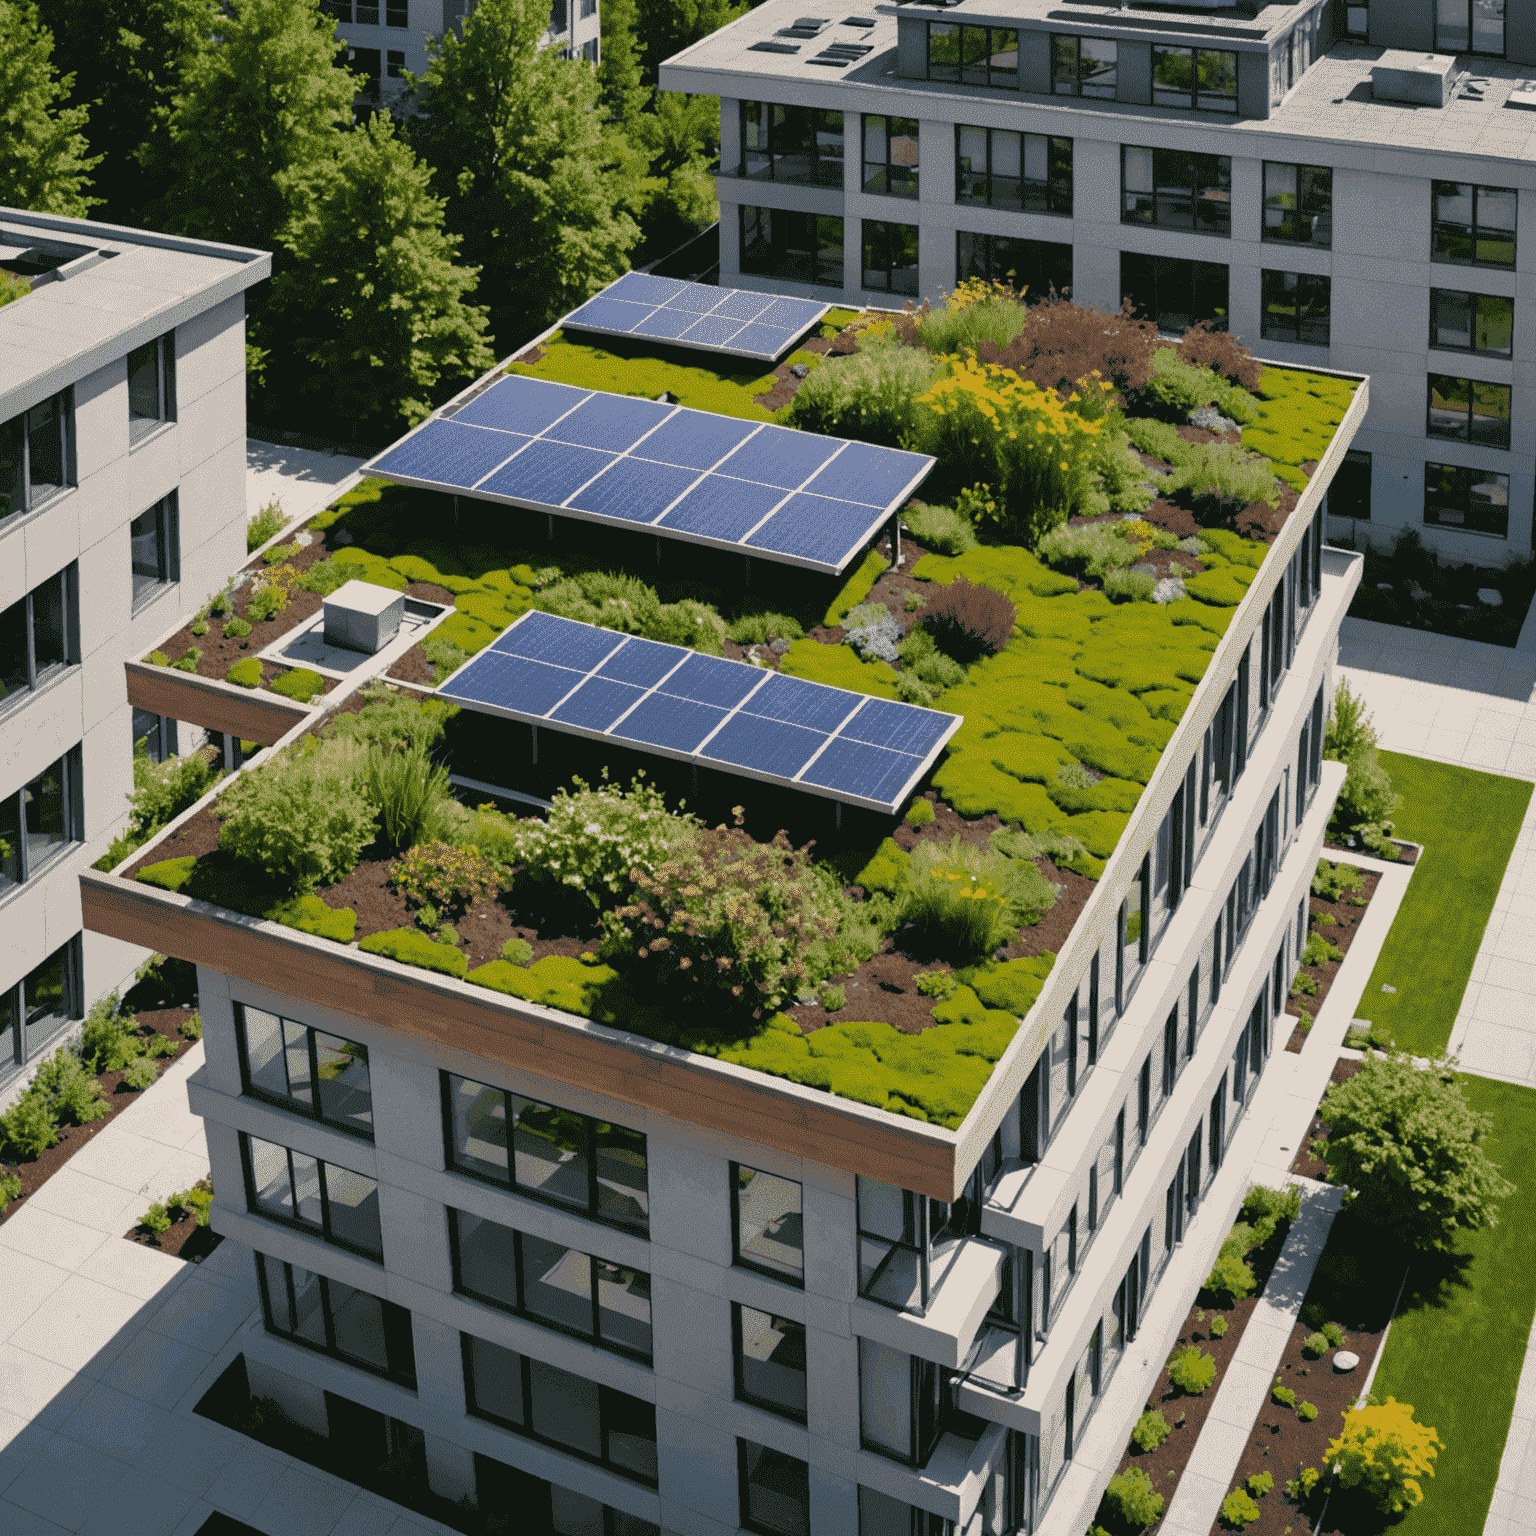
x=1084 y=66
x=337 y=1319
x=1350 y=493
x=557 y=1155
x=1133 y=935
x=151 y=386
x=890 y=256
x=1202 y=78
x=799 y=247
x=1469 y=411
x=1474 y=225
x=1298 y=203
x=1296 y=307
x=1469 y=26
x=152 y=541
x=893 y=1255
x=885 y=1399
x=769 y=1227
x=47 y=997
x=1357 y=18
x=770 y=1361
x=493 y=1380
x=775 y=1490
x=485 y=1259
x=798 y=145
x=1471 y=322
x=890 y=155
x=998 y=168
x=1035 y=269
x=38 y=820
x=337 y=1204
x=35 y=454
x=1471 y=500
x=974 y=55
x=1173 y=189
x=1175 y=293
x=37 y=634
x=566 y=1409
x=303 y=1069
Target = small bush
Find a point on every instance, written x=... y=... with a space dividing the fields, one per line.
x=10 y=1189
x=834 y=999
x=245 y=673
x=393 y=719
x=428 y=918
x=1299 y=1489
x=1261 y=1483
x=70 y=1091
x=964 y=901
x=1385 y=1453
x=1151 y=1430
x=763 y=628
x=187 y=662
x=266 y=524
x=28 y=1128
x=160 y=1045
x=1304 y=985
x=1332 y=881
x=191 y=1027
x=199 y=627
x=236 y=629
x=871 y=396
x=1238 y=1510
x=1231 y=1276
x=451 y=879
x=1219 y=479
x=196 y=1202
x=108 y=1038
x=1131 y=1498
x=410 y=947
x=517 y=952
x=1306 y=1412
x=156 y=1219
x=142 y=1073
x=326 y=576
x=1218 y=1327
x=1334 y=1334
x=411 y=794
x=1206 y=347
x=447 y=934
x=977 y=311
x=967 y=621
x=936 y=984
x=1065 y=343
x=1191 y=1370
x=1315 y=1346
x=1130 y=586
x=920 y=813
x=1088 y=549
x=1282 y=1395
x=940 y=529
x=300 y=685
x=279 y=553
x=1319 y=951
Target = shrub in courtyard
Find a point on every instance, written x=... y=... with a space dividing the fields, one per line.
x=1281 y=1394
x=268 y=522
x=410 y=792
x=1367 y=803
x=517 y=952
x=1383 y=1452
x=1334 y=1335
x=1332 y=881
x=109 y=1038
x=1238 y=1511
x=141 y=1074
x=449 y=879
x=28 y=1128
x=1218 y=1327
x=1264 y=1209
x=156 y=1219
x=1319 y=951
x=1206 y=347
x=1131 y=1498
x=245 y=673
x=1306 y=1412
x=1191 y=1370
x=10 y=1189
x=1261 y=1483
x=1409 y=1148
x=1151 y=1430
x=191 y=1027
x=920 y=813
x=963 y=901
x=237 y=629
x=967 y=620
x=1314 y=1346
x=70 y=1091
x=1231 y=1277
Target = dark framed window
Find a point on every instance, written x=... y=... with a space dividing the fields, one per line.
x=40 y=634
x=37 y=455
x=550 y=1154
x=1349 y=494
x=799 y=247
x=1468 y=411
x=562 y=1288
x=1470 y=26
x=1173 y=292
x=1482 y=323
x=905 y=1244
x=901 y=1403
x=367 y=14
x=1173 y=189
x=597 y=1423
x=397 y=13
x=1357 y=19
x=39 y=820
x=767 y=1224
x=546 y=1507
x=998 y=168
x=769 y=1354
x=155 y=542
x=337 y=1320
x=48 y=997
x=775 y=1491
x=394 y=65
x=799 y=145
x=589 y=49
x=973 y=55
x=890 y=155
x=1473 y=225
x=335 y=1204
x=156 y=734
x=1296 y=307
x=1202 y=78
x=1298 y=204
x=1033 y=268
x=1135 y=940
x=1471 y=500
x=151 y=386
x=881 y=1515
x=1084 y=66
x=306 y=1070
x=890 y=256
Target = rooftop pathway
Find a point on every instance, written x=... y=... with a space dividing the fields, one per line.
x=303 y=480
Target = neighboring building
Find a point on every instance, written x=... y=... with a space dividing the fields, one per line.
x=387 y=39
x=122 y=507
x=1266 y=166
x=620 y=1288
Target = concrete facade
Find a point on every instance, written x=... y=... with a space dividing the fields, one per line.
x=102 y=293
x=1375 y=251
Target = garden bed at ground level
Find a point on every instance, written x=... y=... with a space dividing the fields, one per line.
x=1347 y=913
x=1307 y=1162
x=184 y=1239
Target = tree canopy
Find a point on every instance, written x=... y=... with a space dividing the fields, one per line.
x=665 y=27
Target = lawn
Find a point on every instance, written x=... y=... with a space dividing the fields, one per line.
x=1459 y=1362
x=1430 y=951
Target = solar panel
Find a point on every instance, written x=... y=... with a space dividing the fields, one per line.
x=796 y=497
x=759 y=326
x=729 y=715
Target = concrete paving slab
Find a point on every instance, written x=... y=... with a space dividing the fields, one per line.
x=91 y=1202
x=41 y=1391
x=16 y=1521
x=28 y=1282
x=201 y=1314
x=63 y=1486
x=43 y=1233
x=135 y=1270
x=85 y=1326
x=140 y=1505
x=157 y=1369
x=111 y=1421
x=304 y=1505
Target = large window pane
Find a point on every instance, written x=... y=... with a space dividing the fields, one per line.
x=12 y=491
x=550 y=1151
x=624 y=1307
x=44 y=806
x=264 y=1051
x=487 y=1258
x=147 y=546
x=630 y=1424
x=354 y=1207
x=574 y=1514
x=775 y=1493
x=144 y=381
x=14 y=675
x=359 y=1322
x=44 y=993
x=565 y=1409
x=885 y=1398
x=557 y=1284
x=45 y=447
x=495 y=1380
x=49 y=640
x=769 y=1228
x=622 y=1188
x=772 y=1362
x=346 y=1096
x=479 y=1127
x=309 y=1307
x=270 y=1185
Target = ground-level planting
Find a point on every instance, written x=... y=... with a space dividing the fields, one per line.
x=1335 y=909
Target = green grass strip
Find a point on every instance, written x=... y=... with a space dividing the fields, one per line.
x=1456 y=1353
x=1468 y=822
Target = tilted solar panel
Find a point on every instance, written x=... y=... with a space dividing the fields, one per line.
x=728 y=715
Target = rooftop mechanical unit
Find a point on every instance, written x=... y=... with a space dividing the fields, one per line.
x=363 y=617
x=1415 y=79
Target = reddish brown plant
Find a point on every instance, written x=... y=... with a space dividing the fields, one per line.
x=967 y=620
x=1206 y=347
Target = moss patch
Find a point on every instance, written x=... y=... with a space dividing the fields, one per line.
x=301 y=684
x=840 y=667
x=245 y=673
x=856 y=588
x=1297 y=419
x=557 y=981
x=411 y=946
x=225 y=882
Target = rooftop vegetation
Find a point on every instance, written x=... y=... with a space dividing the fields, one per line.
x=1066 y=600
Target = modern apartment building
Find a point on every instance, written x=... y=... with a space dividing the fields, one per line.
x=1340 y=184
x=618 y=1287
x=122 y=506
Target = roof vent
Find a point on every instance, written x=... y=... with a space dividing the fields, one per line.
x=1524 y=95
x=1415 y=79
x=771 y=47
x=858 y=21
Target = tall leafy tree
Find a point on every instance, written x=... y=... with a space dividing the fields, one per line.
x=261 y=102
x=625 y=94
x=45 y=162
x=540 y=188
x=666 y=27
x=681 y=137
x=370 y=305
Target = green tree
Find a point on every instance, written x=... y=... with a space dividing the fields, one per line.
x=665 y=27
x=1409 y=1147
x=681 y=137
x=625 y=95
x=370 y=306
x=45 y=161
x=539 y=187
x=260 y=105
x=1367 y=802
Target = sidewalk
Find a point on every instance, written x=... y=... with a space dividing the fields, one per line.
x=105 y=1348
x=303 y=479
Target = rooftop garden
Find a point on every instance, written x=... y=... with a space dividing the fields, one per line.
x=1101 y=502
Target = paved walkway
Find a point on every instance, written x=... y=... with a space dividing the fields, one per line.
x=303 y=480
x=105 y=1347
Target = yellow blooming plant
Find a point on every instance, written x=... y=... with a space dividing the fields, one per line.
x=1385 y=1452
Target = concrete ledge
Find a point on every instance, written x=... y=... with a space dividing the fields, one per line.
x=251 y=714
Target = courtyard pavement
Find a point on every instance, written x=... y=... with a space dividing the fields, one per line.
x=303 y=480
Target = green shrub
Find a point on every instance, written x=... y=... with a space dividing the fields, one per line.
x=926 y=670
x=266 y=524
x=266 y=602
x=392 y=719
x=10 y=1189
x=191 y=1027
x=1151 y=1430
x=303 y=818
x=1334 y=1334
x=142 y=1073
x=187 y=662
x=871 y=396
x=964 y=901
x=1191 y=1370
x=428 y=918
x=279 y=553
x=451 y=879
x=1087 y=549
x=856 y=587
x=198 y=627
x=411 y=947
x=943 y=530
x=1333 y=881
x=29 y=1127
x=1130 y=586
x=236 y=629
x=760 y=628
x=325 y=577
x=69 y=1089
x=1218 y=1327
x=1315 y=1345
x=1131 y=1498
x=1177 y=387
x=1306 y=1412
x=1220 y=478
x=1303 y=985
x=1299 y=1489
x=834 y=999
x=975 y=313
x=158 y=659
x=1282 y=1395
x=1238 y=1510
x=447 y=934
x=108 y=1038
x=443 y=656
x=1367 y=803
x=300 y=684
x=1231 y=1276
x=1318 y=951
x=1260 y=1483
x=920 y=813
x=411 y=794
x=517 y=952
x=196 y=1202
x=936 y=984
x=160 y=1045
x=245 y=673
x=156 y=1219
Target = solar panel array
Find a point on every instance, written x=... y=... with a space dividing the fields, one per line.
x=796 y=497
x=702 y=709
x=759 y=326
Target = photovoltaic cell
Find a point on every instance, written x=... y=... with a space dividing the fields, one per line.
x=518 y=404
x=598 y=703
x=614 y=423
x=797 y=702
x=749 y=741
x=548 y=472
x=719 y=508
x=694 y=440
x=642 y=662
x=883 y=723
x=807 y=523
x=635 y=491
x=780 y=456
x=712 y=680
x=872 y=773
x=664 y=721
x=867 y=474
x=449 y=454
x=563 y=642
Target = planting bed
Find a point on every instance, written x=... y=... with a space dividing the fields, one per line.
x=183 y=1239
x=1348 y=913
x=1420 y=593
x=1307 y=1162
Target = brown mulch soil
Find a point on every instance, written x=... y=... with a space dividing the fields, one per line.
x=1186 y=1414
x=183 y=1239
x=786 y=384
x=164 y=1021
x=1407 y=853
x=413 y=667
x=1307 y=1162
x=1348 y=914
